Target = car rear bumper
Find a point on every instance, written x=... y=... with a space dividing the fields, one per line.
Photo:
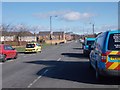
x=30 y=51
x=87 y=52
x=106 y=72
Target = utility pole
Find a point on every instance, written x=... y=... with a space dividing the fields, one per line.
x=51 y=28
x=93 y=28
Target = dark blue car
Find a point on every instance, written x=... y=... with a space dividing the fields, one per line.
x=88 y=43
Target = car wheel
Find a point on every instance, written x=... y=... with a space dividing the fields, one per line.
x=16 y=56
x=4 y=58
x=98 y=76
x=84 y=53
x=90 y=66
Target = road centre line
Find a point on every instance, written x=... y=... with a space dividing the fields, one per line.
x=59 y=59
x=40 y=76
x=37 y=79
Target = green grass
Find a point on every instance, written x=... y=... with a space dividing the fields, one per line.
x=20 y=49
x=45 y=45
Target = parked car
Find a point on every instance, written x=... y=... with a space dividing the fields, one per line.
x=105 y=56
x=88 y=43
x=7 y=52
x=32 y=47
x=1 y=57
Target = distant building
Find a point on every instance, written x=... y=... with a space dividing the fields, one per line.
x=68 y=36
x=17 y=36
x=58 y=35
x=45 y=35
x=75 y=36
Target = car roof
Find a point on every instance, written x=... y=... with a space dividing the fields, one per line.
x=114 y=31
x=90 y=39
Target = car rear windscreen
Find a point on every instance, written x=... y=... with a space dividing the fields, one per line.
x=90 y=42
x=114 y=42
x=30 y=45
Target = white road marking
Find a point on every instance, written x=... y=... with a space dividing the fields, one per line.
x=59 y=59
x=1 y=63
x=37 y=79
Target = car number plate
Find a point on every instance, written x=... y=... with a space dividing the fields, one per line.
x=115 y=57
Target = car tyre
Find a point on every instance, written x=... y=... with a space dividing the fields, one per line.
x=4 y=58
x=90 y=66
x=16 y=56
x=99 y=77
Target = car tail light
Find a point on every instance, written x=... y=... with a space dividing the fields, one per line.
x=33 y=45
x=104 y=56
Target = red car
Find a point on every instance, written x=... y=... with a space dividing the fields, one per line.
x=7 y=52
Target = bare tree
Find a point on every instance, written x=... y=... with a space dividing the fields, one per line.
x=20 y=30
x=4 y=30
x=17 y=31
x=34 y=30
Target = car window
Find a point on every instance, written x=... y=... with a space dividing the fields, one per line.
x=101 y=40
x=90 y=42
x=38 y=44
x=114 y=42
x=7 y=47
x=30 y=45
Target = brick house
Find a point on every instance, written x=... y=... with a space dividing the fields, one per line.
x=44 y=35
x=58 y=35
x=75 y=36
x=21 y=36
x=68 y=36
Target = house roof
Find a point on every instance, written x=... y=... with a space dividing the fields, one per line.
x=44 y=33
x=23 y=33
x=58 y=33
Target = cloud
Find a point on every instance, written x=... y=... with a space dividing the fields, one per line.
x=52 y=13
x=74 y=16
x=106 y=28
x=67 y=15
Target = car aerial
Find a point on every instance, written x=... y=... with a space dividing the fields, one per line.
x=88 y=43
x=32 y=47
x=7 y=52
x=105 y=56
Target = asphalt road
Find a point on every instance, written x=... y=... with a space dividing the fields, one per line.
x=60 y=66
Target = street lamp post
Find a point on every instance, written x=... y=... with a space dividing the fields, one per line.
x=51 y=28
x=93 y=28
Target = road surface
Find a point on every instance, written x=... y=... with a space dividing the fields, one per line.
x=59 y=66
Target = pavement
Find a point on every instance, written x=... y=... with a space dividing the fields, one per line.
x=58 y=66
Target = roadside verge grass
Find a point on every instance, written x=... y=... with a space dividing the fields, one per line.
x=20 y=49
